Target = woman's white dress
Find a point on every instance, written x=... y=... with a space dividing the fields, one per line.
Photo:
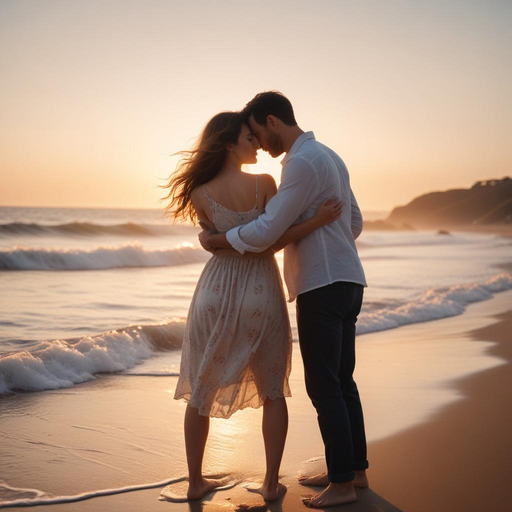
x=237 y=344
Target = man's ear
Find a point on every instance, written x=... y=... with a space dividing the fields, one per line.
x=272 y=121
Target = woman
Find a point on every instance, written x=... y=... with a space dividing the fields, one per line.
x=237 y=344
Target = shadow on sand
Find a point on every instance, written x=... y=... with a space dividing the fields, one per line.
x=238 y=499
x=368 y=501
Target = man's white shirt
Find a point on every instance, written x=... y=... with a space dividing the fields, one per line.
x=312 y=173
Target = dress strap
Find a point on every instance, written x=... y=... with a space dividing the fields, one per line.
x=211 y=201
x=257 y=176
x=207 y=194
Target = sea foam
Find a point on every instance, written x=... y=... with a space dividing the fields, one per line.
x=43 y=499
x=132 y=254
x=61 y=364
x=433 y=305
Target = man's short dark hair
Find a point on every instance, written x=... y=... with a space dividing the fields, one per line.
x=269 y=103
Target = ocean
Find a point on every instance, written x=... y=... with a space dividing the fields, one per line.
x=91 y=291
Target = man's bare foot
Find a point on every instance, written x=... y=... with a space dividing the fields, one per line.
x=334 y=494
x=360 y=479
x=269 y=492
x=197 y=490
x=318 y=480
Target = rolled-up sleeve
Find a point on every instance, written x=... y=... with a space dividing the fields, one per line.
x=356 y=218
x=233 y=237
x=298 y=189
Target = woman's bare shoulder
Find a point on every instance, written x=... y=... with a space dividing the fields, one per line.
x=268 y=181
x=197 y=196
x=197 y=192
x=266 y=177
x=200 y=204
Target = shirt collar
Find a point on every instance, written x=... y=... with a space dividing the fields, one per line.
x=296 y=145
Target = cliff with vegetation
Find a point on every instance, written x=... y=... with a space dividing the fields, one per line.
x=485 y=203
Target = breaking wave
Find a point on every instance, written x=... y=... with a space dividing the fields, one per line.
x=434 y=304
x=132 y=254
x=85 y=229
x=61 y=364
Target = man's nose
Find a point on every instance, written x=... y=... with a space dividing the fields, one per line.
x=256 y=143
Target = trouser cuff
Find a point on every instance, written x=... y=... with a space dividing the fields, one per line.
x=339 y=478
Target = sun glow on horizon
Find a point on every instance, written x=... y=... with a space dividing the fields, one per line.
x=411 y=96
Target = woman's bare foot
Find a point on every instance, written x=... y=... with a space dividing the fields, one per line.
x=360 y=479
x=334 y=494
x=197 y=490
x=269 y=492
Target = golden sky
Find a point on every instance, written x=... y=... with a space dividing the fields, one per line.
x=95 y=94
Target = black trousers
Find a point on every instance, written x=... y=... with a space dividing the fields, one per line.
x=326 y=320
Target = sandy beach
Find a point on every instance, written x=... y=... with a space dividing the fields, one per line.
x=435 y=397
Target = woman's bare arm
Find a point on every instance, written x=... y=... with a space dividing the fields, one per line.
x=327 y=212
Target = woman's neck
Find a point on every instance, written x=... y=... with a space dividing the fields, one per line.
x=231 y=168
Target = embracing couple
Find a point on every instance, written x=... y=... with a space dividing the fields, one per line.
x=237 y=344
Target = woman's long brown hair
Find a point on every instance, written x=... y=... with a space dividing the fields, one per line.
x=201 y=164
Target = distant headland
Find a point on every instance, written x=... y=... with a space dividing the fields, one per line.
x=486 y=203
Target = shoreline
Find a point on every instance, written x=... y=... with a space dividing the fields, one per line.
x=396 y=481
x=459 y=460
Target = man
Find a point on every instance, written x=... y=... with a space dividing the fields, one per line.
x=324 y=273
